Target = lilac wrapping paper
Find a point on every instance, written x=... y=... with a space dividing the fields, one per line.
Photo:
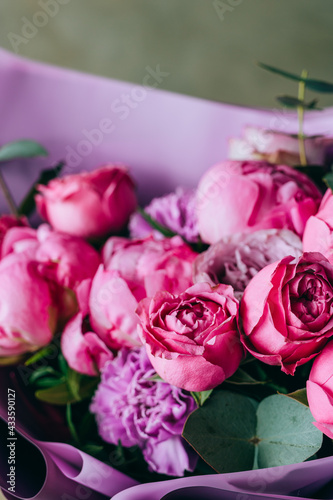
x=167 y=140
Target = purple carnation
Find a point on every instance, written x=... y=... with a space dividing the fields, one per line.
x=234 y=260
x=176 y=211
x=137 y=411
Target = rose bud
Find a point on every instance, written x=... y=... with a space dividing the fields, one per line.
x=192 y=339
x=287 y=311
x=319 y=389
x=84 y=351
x=243 y=197
x=28 y=316
x=318 y=233
x=90 y=204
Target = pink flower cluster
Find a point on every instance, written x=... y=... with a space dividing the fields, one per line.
x=257 y=290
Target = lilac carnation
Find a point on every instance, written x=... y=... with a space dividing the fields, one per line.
x=234 y=260
x=137 y=411
x=176 y=211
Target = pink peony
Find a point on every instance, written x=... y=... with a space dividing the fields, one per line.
x=235 y=259
x=318 y=233
x=277 y=147
x=319 y=389
x=151 y=265
x=90 y=204
x=243 y=197
x=112 y=308
x=28 y=315
x=287 y=311
x=68 y=259
x=192 y=339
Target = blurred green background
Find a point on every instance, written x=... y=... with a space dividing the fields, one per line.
x=209 y=47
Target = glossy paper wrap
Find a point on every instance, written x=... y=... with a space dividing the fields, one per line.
x=166 y=140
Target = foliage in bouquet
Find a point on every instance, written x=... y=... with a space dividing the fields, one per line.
x=191 y=336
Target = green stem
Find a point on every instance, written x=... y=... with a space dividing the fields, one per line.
x=71 y=424
x=300 y=113
x=8 y=195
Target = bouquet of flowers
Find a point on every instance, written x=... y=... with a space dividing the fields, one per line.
x=189 y=336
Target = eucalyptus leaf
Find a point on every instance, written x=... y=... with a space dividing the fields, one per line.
x=231 y=432
x=21 y=149
x=286 y=432
x=310 y=83
x=221 y=431
x=28 y=204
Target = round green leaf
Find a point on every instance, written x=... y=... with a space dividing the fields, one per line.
x=286 y=432
x=222 y=431
x=21 y=149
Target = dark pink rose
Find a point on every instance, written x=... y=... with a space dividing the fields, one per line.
x=319 y=389
x=287 y=311
x=277 y=147
x=235 y=259
x=90 y=204
x=151 y=265
x=192 y=339
x=243 y=197
x=318 y=233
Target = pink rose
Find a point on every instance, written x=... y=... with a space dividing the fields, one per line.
x=277 y=147
x=318 y=233
x=287 y=311
x=243 y=197
x=90 y=204
x=9 y=221
x=68 y=259
x=112 y=308
x=151 y=265
x=192 y=339
x=27 y=314
x=83 y=350
x=319 y=389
